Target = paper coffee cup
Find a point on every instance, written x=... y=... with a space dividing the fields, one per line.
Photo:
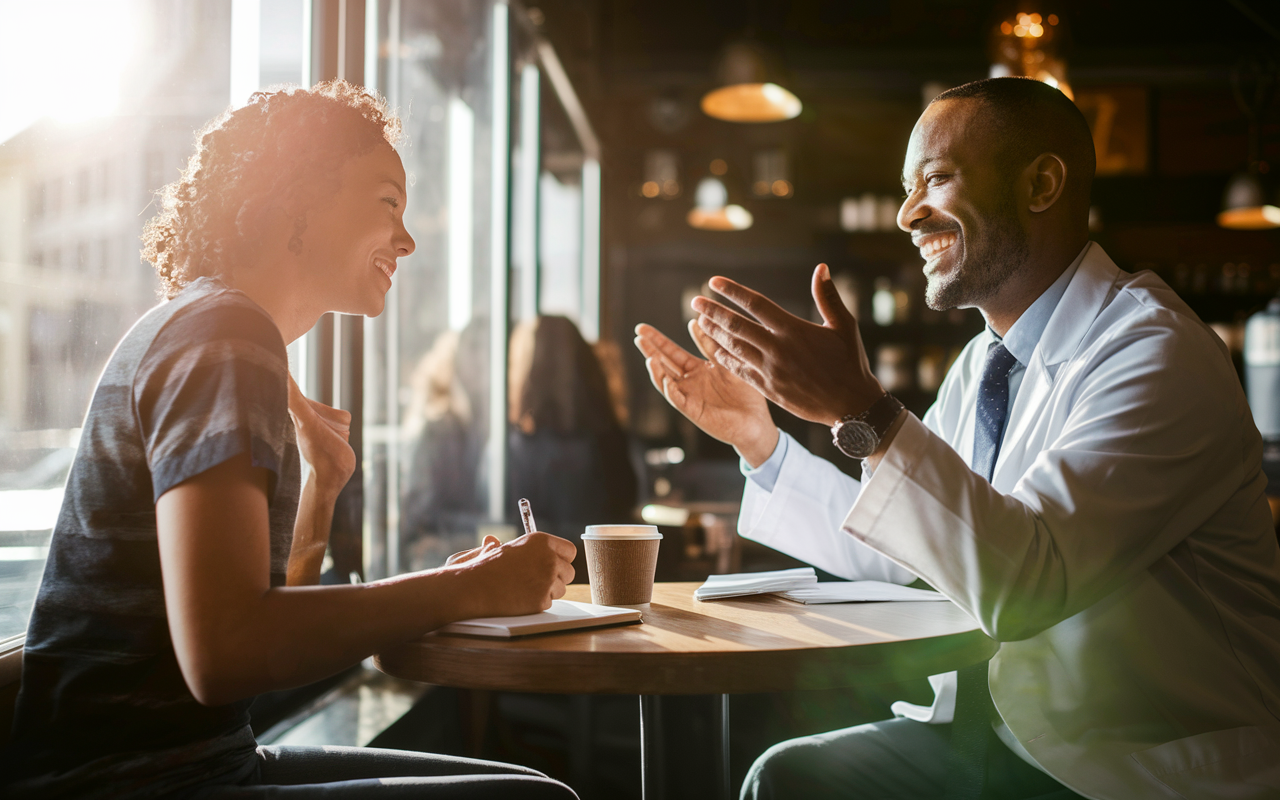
x=621 y=560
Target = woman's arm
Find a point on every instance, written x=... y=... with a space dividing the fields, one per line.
x=235 y=636
x=323 y=441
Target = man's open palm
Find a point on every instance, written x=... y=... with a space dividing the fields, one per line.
x=713 y=398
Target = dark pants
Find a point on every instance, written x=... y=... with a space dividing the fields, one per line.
x=898 y=759
x=338 y=773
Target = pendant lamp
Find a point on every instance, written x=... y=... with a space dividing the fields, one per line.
x=1249 y=203
x=750 y=90
x=712 y=211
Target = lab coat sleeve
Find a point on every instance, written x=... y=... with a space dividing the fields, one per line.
x=801 y=517
x=1153 y=444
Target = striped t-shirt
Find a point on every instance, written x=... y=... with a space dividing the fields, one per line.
x=104 y=710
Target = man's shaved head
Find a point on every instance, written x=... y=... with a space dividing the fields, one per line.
x=1024 y=118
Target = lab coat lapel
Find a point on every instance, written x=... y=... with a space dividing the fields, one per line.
x=1071 y=320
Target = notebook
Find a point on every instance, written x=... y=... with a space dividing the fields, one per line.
x=719 y=587
x=858 y=592
x=564 y=615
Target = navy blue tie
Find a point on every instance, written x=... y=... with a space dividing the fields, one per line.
x=971 y=730
x=993 y=409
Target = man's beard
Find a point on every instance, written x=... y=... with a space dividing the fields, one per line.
x=990 y=257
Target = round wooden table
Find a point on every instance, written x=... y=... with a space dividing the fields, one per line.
x=720 y=647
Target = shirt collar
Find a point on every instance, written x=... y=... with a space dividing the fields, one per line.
x=1023 y=336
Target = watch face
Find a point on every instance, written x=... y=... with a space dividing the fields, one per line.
x=856 y=439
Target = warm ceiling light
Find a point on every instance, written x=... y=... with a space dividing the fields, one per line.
x=729 y=218
x=712 y=212
x=1022 y=45
x=1245 y=206
x=750 y=90
x=719 y=166
x=751 y=102
x=650 y=189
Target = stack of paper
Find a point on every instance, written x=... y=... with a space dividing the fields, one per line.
x=718 y=587
x=858 y=592
x=563 y=615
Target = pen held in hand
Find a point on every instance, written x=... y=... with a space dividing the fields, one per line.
x=526 y=516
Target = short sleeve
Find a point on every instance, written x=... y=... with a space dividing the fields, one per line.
x=213 y=385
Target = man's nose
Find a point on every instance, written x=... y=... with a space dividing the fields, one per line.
x=911 y=212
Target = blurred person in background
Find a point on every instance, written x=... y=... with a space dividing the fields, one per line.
x=568 y=453
x=445 y=485
x=179 y=582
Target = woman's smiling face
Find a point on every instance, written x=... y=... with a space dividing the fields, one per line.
x=353 y=238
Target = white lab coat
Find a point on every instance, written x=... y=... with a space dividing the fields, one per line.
x=1123 y=553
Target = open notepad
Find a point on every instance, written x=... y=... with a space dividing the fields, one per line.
x=562 y=616
x=719 y=587
x=858 y=592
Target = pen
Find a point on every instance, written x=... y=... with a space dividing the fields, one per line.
x=526 y=516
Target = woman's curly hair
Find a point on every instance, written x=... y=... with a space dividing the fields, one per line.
x=285 y=149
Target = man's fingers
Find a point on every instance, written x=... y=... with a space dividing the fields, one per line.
x=754 y=303
x=675 y=395
x=741 y=349
x=651 y=341
x=706 y=345
x=732 y=322
x=830 y=305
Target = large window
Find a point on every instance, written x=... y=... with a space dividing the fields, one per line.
x=505 y=230
x=122 y=85
x=503 y=203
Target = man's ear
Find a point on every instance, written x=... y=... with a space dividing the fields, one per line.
x=1046 y=177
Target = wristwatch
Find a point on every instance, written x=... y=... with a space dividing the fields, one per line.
x=858 y=436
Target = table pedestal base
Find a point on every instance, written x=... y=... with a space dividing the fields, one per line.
x=653 y=751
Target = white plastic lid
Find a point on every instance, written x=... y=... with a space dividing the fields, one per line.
x=622 y=532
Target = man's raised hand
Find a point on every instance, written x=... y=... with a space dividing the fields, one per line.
x=817 y=372
x=714 y=399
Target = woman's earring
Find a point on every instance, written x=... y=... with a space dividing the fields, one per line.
x=295 y=241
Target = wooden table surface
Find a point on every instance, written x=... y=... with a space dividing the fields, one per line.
x=750 y=644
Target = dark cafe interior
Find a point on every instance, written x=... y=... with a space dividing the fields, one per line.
x=639 y=399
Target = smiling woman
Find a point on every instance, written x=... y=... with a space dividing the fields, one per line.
x=181 y=571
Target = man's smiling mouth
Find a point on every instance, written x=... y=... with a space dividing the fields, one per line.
x=933 y=245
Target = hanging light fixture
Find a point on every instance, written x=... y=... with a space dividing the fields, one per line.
x=1028 y=45
x=1250 y=202
x=750 y=89
x=712 y=211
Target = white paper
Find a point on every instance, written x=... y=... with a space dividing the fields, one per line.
x=859 y=592
x=563 y=615
x=719 y=587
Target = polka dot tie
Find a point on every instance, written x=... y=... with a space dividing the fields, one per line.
x=993 y=408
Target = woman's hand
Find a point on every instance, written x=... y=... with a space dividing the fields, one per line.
x=323 y=435
x=522 y=576
x=490 y=542
x=720 y=403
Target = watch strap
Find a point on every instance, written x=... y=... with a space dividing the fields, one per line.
x=882 y=414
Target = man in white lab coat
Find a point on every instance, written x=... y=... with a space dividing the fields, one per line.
x=1087 y=486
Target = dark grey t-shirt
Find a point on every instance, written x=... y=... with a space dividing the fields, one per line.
x=104 y=710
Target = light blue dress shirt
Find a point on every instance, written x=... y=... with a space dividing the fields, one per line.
x=1021 y=340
